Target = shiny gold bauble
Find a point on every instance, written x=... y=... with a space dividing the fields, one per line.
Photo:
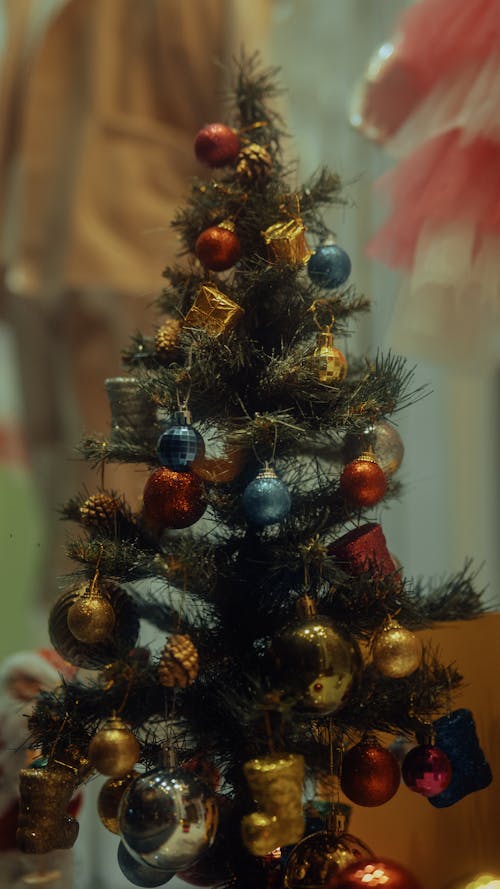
x=114 y=750
x=110 y=797
x=91 y=618
x=319 y=857
x=92 y=656
x=396 y=651
x=315 y=665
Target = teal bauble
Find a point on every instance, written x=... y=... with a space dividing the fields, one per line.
x=329 y=266
x=266 y=500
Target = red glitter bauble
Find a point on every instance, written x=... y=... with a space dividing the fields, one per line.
x=218 y=247
x=217 y=145
x=173 y=499
x=427 y=770
x=370 y=774
x=377 y=873
x=363 y=482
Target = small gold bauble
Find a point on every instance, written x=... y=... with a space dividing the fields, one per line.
x=110 y=797
x=396 y=651
x=91 y=618
x=114 y=750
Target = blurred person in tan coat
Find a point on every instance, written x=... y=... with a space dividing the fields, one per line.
x=99 y=104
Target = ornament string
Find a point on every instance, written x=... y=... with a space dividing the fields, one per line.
x=102 y=463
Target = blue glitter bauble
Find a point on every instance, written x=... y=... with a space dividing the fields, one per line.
x=266 y=500
x=329 y=266
x=141 y=874
x=179 y=445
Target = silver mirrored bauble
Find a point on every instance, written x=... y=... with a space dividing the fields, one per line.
x=168 y=819
x=320 y=856
x=141 y=874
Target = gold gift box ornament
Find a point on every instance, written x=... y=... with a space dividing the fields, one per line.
x=286 y=242
x=213 y=311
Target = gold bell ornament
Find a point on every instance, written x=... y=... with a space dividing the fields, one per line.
x=275 y=782
x=114 y=750
x=213 y=311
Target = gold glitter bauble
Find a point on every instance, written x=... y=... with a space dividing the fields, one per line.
x=114 y=750
x=179 y=662
x=396 y=651
x=319 y=857
x=93 y=656
x=91 y=618
x=110 y=797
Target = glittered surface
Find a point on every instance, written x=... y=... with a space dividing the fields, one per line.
x=91 y=619
x=456 y=735
x=216 y=145
x=396 y=651
x=363 y=482
x=114 y=750
x=370 y=774
x=329 y=266
x=363 y=548
x=173 y=499
x=217 y=248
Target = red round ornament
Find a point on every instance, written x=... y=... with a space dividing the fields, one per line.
x=363 y=482
x=370 y=774
x=427 y=770
x=173 y=499
x=376 y=873
x=218 y=247
x=217 y=145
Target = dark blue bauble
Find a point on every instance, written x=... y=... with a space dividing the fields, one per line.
x=141 y=874
x=329 y=266
x=179 y=445
x=456 y=736
x=266 y=500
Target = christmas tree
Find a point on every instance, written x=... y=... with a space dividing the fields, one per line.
x=288 y=629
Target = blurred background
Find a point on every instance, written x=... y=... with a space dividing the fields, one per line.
x=99 y=103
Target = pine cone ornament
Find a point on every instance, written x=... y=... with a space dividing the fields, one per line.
x=167 y=340
x=100 y=511
x=179 y=662
x=254 y=162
